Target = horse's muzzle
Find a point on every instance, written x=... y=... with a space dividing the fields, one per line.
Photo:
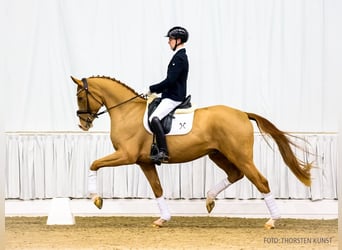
x=85 y=128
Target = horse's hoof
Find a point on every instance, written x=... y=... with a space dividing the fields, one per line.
x=210 y=204
x=159 y=223
x=98 y=202
x=269 y=224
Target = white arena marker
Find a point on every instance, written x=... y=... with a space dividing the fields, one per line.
x=60 y=212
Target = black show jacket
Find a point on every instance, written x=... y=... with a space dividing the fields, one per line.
x=174 y=86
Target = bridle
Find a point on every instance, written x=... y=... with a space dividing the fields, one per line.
x=92 y=115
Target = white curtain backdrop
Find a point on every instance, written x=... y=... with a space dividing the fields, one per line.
x=280 y=59
x=56 y=165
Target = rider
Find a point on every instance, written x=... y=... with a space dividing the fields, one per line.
x=172 y=89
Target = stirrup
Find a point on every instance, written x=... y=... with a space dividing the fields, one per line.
x=161 y=157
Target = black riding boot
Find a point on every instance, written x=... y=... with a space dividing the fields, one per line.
x=162 y=155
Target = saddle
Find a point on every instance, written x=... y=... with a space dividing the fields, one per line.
x=167 y=120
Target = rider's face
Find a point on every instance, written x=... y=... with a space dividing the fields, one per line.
x=172 y=42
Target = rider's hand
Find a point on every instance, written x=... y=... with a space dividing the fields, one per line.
x=149 y=92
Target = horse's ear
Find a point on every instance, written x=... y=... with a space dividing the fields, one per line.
x=78 y=82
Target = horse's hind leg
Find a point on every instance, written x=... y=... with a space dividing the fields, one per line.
x=153 y=178
x=233 y=175
x=252 y=173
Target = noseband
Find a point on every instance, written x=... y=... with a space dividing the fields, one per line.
x=93 y=115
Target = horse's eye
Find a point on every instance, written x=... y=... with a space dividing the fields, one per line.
x=80 y=99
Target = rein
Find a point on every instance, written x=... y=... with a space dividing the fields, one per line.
x=117 y=105
x=96 y=115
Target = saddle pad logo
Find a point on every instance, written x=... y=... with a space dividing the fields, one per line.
x=181 y=123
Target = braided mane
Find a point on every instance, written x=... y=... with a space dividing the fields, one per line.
x=121 y=83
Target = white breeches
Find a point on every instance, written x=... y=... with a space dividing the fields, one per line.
x=165 y=106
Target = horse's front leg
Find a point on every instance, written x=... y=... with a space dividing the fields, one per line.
x=116 y=159
x=153 y=178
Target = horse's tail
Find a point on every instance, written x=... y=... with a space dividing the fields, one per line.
x=300 y=169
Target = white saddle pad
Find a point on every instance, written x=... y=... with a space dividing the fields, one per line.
x=181 y=123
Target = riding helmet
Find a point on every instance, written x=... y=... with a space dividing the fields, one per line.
x=178 y=32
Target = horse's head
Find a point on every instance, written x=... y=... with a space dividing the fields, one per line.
x=88 y=104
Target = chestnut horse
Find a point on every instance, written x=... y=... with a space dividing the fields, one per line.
x=224 y=134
